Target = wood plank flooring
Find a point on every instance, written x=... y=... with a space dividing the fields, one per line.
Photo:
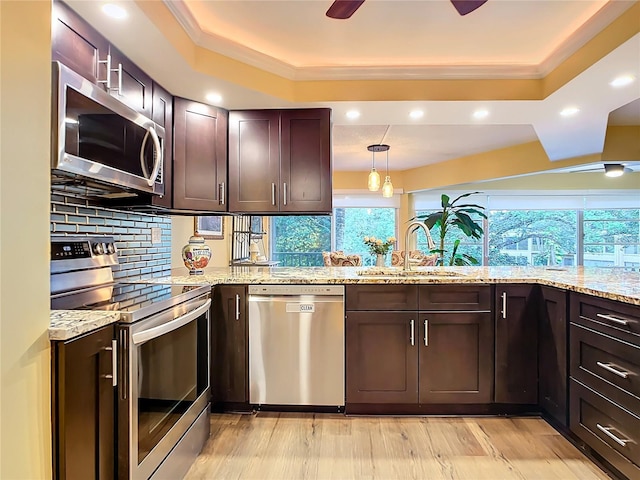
x=283 y=446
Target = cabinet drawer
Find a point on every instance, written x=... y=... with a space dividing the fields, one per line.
x=621 y=320
x=608 y=429
x=607 y=365
x=455 y=297
x=381 y=297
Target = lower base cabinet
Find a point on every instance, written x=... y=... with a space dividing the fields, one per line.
x=84 y=407
x=381 y=362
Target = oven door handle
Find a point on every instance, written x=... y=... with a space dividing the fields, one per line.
x=151 y=333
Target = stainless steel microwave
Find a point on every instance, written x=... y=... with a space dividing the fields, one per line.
x=100 y=142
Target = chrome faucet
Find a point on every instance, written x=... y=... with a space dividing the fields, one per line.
x=430 y=242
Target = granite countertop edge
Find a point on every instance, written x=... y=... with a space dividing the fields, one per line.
x=612 y=284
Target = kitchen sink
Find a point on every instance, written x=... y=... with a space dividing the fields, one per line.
x=398 y=272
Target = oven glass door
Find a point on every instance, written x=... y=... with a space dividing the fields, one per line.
x=172 y=373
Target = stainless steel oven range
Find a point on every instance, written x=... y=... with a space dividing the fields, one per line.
x=162 y=342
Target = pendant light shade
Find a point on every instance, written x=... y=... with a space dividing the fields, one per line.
x=387 y=188
x=374 y=177
x=374 y=180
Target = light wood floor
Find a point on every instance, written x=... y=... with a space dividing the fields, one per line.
x=284 y=446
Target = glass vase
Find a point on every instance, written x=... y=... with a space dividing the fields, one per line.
x=380 y=258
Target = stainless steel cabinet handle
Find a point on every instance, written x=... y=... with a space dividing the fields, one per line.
x=504 y=304
x=273 y=193
x=222 y=194
x=607 y=432
x=284 y=192
x=611 y=318
x=237 y=307
x=119 y=70
x=426 y=333
x=114 y=363
x=413 y=331
x=107 y=82
x=609 y=368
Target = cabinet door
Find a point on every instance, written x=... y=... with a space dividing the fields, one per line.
x=254 y=161
x=200 y=156
x=552 y=354
x=516 y=344
x=456 y=357
x=76 y=44
x=130 y=84
x=83 y=406
x=229 y=352
x=305 y=160
x=381 y=357
x=162 y=114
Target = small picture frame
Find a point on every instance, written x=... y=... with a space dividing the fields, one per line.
x=210 y=227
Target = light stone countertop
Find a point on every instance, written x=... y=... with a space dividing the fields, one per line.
x=612 y=284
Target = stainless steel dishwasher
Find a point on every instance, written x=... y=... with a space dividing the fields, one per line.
x=296 y=345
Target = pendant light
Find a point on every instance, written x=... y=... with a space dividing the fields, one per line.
x=374 y=176
x=387 y=187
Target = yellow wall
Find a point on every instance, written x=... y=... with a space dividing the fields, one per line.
x=25 y=97
x=182 y=229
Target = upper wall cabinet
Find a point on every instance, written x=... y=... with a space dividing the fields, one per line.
x=280 y=161
x=77 y=45
x=80 y=47
x=162 y=114
x=200 y=156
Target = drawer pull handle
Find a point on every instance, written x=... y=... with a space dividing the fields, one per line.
x=426 y=333
x=607 y=432
x=609 y=368
x=611 y=318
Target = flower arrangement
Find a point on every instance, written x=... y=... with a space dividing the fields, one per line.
x=377 y=246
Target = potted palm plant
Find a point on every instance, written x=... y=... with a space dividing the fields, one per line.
x=455 y=216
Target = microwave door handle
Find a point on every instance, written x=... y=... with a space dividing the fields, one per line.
x=158 y=158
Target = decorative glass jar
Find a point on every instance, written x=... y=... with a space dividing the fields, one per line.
x=196 y=255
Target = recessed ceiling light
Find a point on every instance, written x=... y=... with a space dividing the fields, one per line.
x=613 y=169
x=214 y=98
x=114 y=11
x=415 y=114
x=569 y=111
x=622 y=81
x=482 y=113
x=353 y=114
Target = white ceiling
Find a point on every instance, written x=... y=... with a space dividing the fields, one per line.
x=392 y=39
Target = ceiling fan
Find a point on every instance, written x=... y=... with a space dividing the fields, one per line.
x=343 y=9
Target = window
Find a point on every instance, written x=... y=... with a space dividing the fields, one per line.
x=612 y=238
x=352 y=224
x=298 y=241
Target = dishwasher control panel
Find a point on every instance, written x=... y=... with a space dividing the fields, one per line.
x=296 y=290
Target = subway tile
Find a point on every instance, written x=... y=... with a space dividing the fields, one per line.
x=87 y=229
x=63 y=227
x=76 y=219
x=97 y=221
x=64 y=208
x=86 y=211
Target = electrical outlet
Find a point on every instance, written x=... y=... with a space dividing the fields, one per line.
x=156 y=235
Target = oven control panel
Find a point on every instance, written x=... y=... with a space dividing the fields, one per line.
x=75 y=253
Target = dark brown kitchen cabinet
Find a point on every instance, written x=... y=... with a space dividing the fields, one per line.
x=456 y=344
x=280 y=161
x=76 y=44
x=552 y=354
x=162 y=114
x=381 y=357
x=200 y=156
x=516 y=337
x=229 y=349
x=83 y=407
x=129 y=83
x=456 y=357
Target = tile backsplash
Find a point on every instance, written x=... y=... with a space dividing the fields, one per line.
x=136 y=234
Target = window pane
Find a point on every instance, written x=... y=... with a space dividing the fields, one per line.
x=532 y=237
x=612 y=238
x=353 y=224
x=298 y=241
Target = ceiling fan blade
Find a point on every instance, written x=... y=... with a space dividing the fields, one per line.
x=467 y=6
x=343 y=9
